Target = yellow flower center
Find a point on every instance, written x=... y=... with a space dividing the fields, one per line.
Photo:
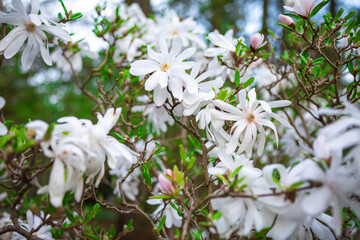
x=175 y=32
x=30 y=27
x=250 y=118
x=165 y=67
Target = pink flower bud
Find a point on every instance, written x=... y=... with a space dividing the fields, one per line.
x=256 y=41
x=166 y=185
x=286 y=20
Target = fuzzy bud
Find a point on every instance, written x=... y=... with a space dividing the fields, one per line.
x=286 y=20
x=166 y=185
x=256 y=41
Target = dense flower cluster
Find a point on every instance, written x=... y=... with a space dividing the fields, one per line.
x=272 y=163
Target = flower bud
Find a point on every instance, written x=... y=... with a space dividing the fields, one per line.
x=166 y=185
x=256 y=41
x=286 y=20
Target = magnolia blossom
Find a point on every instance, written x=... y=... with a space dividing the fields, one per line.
x=31 y=27
x=3 y=128
x=157 y=116
x=32 y=223
x=207 y=90
x=249 y=116
x=165 y=209
x=127 y=47
x=168 y=70
x=239 y=213
x=257 y=41
x=338 y=185
x=302 y=7
x=75 y=57
x=171 y=25
x=80 y=149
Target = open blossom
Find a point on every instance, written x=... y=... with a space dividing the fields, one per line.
x=80 y=150
x=249 y=116
x=302 y=7
x=33 y=223
x=75 y=57
x=168 y=70
x=31 y=27
x=257 y=41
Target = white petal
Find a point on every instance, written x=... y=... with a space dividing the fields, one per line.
x=317 y=202
x=143 y=67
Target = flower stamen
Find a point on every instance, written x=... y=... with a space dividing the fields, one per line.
x=250 y=118
x=30 y=27
x=165 y=67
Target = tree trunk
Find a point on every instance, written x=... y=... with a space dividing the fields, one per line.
x=265 y=17
x=333 y=7
x=144 y=4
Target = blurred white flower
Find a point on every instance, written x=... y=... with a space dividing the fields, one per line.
x=33 y=222
x=302 y=7
x=74 y=57
x=30 y=27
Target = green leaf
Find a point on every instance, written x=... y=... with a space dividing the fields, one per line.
x=249 y=82
x=182 y=153
x=112 y=231
x=318 y=8
x=146 y=175
x=292 y=15
x=272 y=33
x=49 y=131
x=222 y=178
x=318 y=61
x=286 y=26
x=237 y=78
x=159 y=150
x=140 y=131
x=236 y=171
x=76 y=16
x=339 y=13
x=119 y=136
x=350 y=67
x=91 y=236
x=350 y=15
x=63 y=6
x=161 y=224
x=303 y=59
x=191 y=163
x=217 y=216
x=296 y=185
x=160 y=197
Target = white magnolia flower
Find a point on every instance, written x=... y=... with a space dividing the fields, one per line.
x=168 y=71
x=127 y=47
x=338 y=185
x=207 y=90
x=171 y=25
x=80 y=150
x=31 y=27
x=302 y=7
x=239 y=213
x=157 y=116
x=250 y=116
x=74 y=57
x=172 y=216
x=32 y=223
x=3 y=128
